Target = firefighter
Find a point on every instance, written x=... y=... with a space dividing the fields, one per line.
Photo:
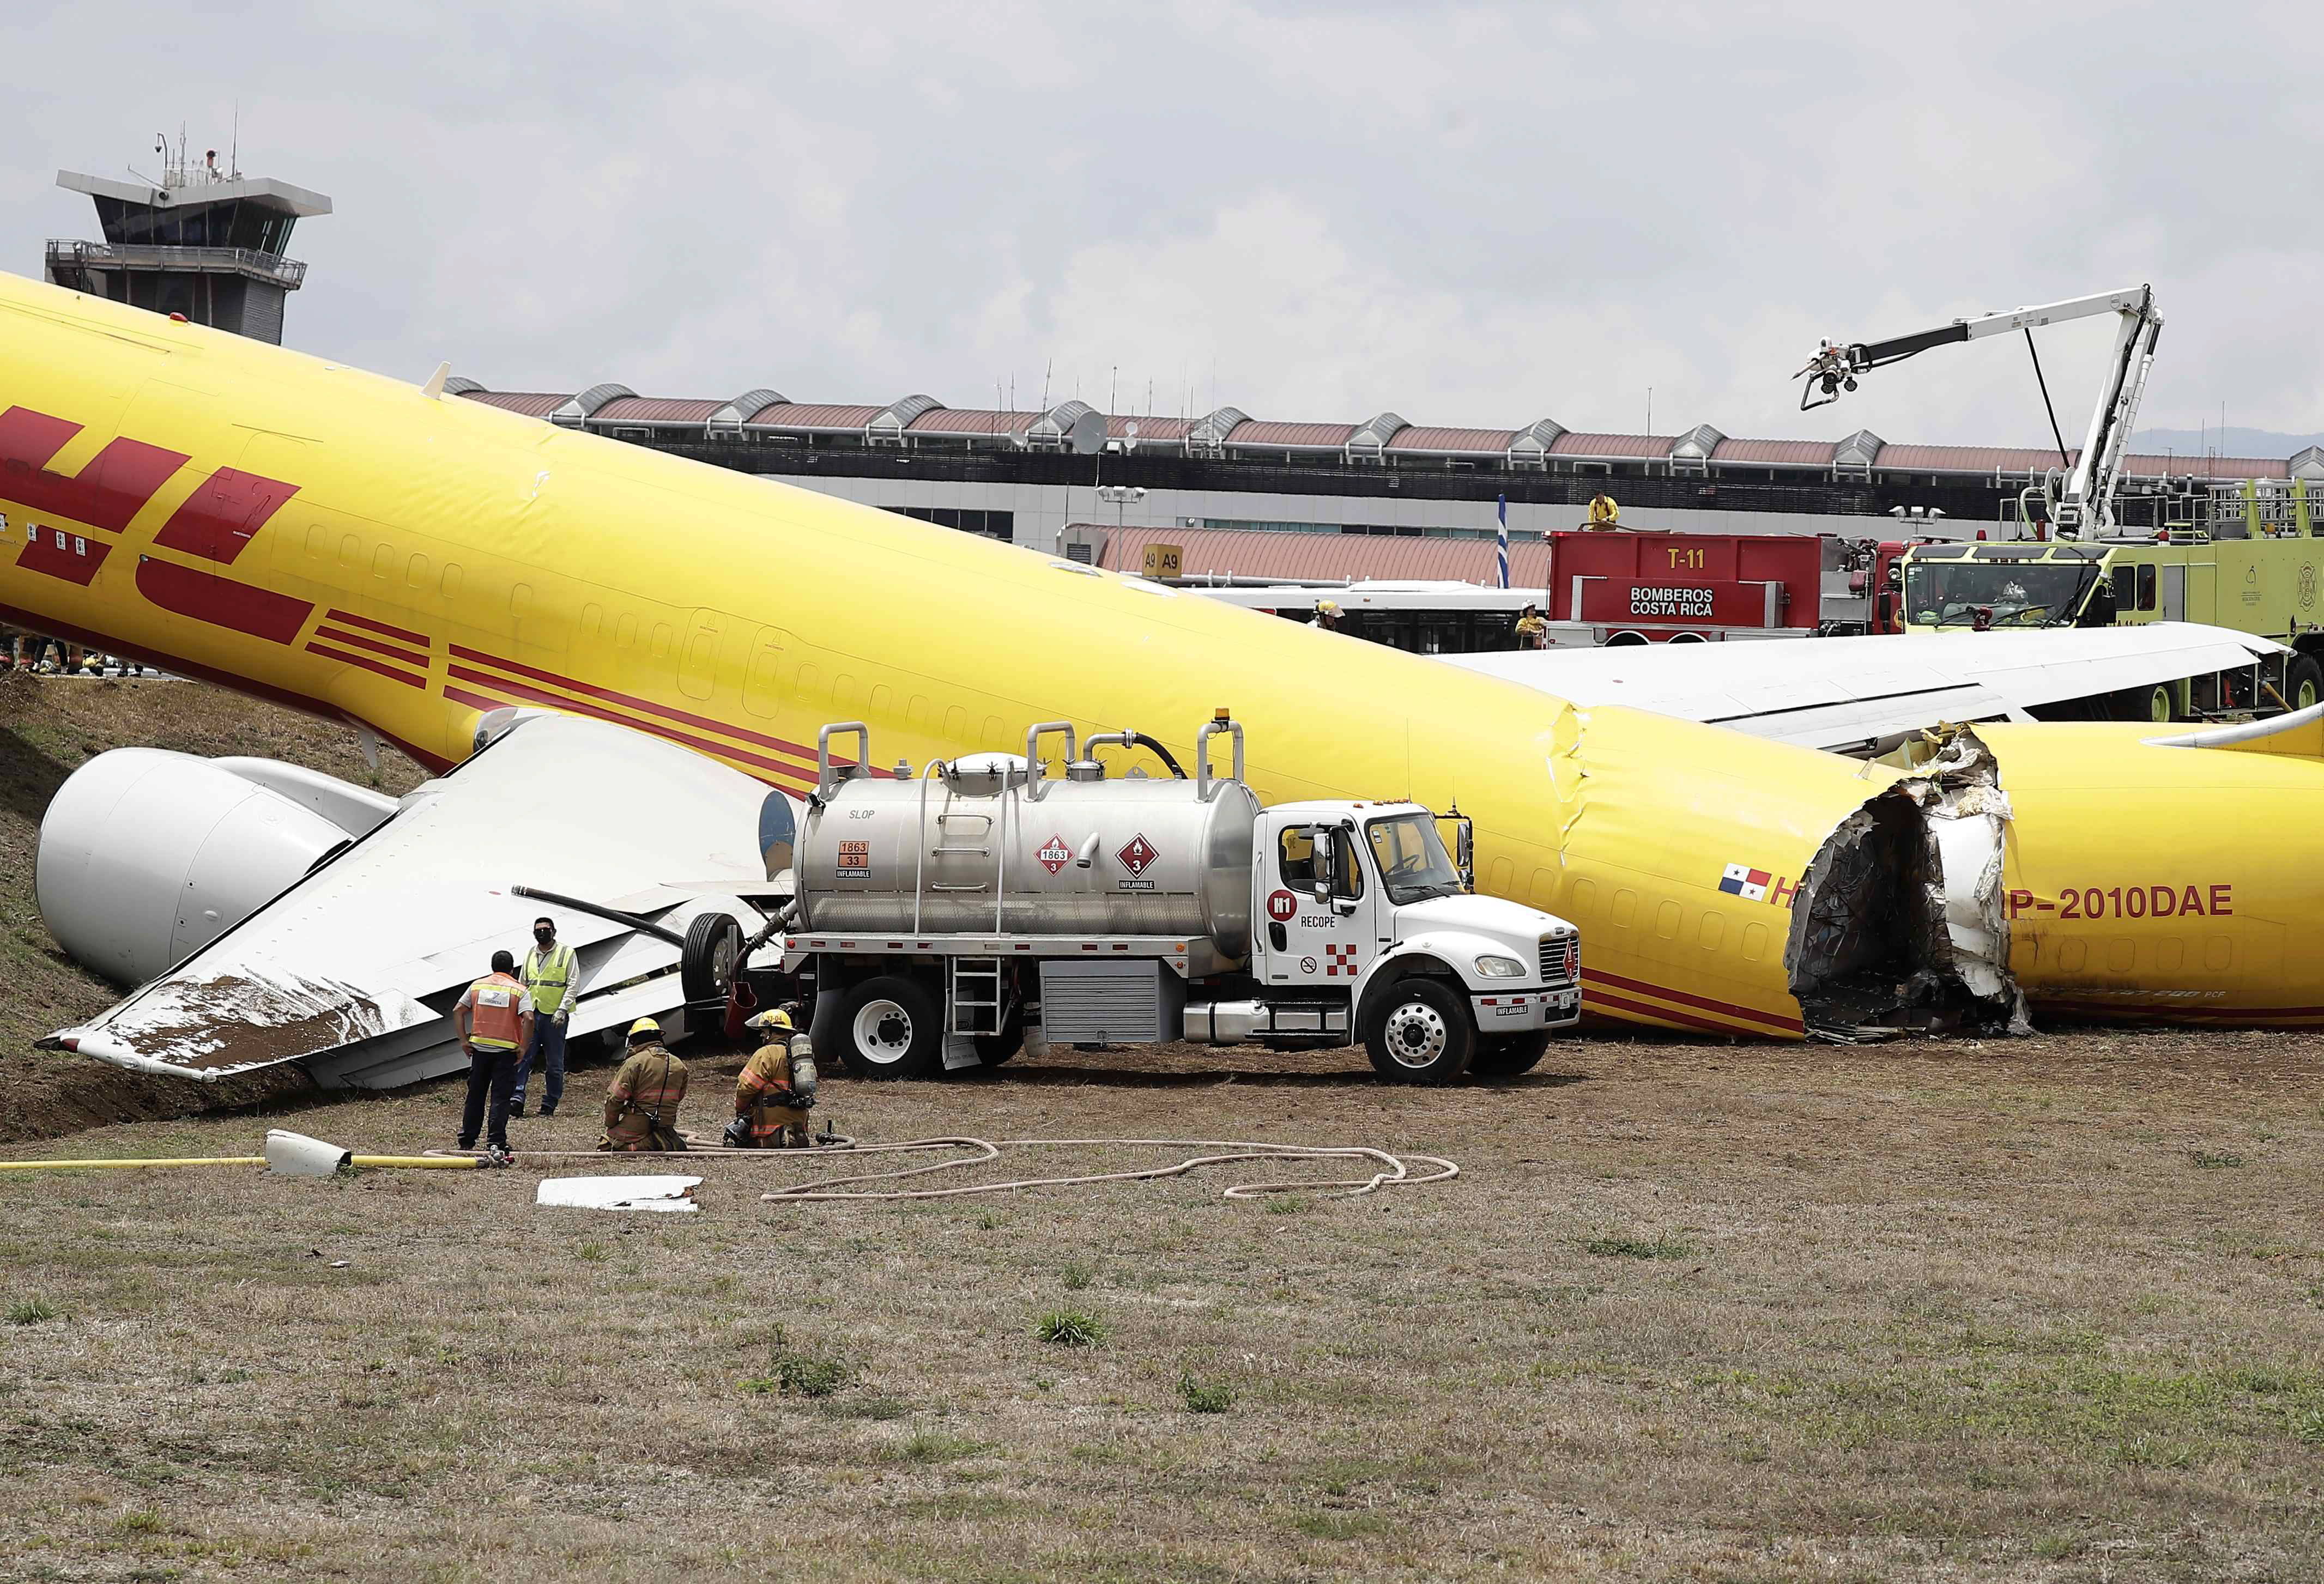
x=1533 y=632
x=1603 y=512
x=641 y=1106
x=773 y=1093
x=493 y=1018
x=1327 y=615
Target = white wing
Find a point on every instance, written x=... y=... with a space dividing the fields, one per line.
x=1863 y=694
x=355 y=968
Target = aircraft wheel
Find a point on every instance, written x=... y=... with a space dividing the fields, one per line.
x=890 y=1027
x=706 y=964
x=1419 y=1032
x=2303 y=682
x=1507 y=1055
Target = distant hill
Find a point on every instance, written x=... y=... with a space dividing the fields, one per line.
x=2227 y=442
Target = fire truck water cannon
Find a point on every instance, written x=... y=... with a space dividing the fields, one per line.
x=2082 y=499
x=983 y=907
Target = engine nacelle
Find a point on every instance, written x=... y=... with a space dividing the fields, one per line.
x=146 y=854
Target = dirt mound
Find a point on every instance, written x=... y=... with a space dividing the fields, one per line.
x=48 y=727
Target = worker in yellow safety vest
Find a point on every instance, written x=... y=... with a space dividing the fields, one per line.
x=641 y=1105
x=775 y=1088
x=495 y=1019
x=1603 y=512
x=551 y=975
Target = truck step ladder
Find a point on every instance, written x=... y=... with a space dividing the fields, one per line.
x=975 y=999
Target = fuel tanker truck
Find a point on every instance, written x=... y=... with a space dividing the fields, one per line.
x=954 y=917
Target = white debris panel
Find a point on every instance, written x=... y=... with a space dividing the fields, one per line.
x=641 y=1193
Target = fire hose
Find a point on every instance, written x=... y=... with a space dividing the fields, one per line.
x=1393 y=1170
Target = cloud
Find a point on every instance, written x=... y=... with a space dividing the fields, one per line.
x=1467 y=213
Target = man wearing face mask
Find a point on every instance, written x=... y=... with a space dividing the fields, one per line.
x=550 y=975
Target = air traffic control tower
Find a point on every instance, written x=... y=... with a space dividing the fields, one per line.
x=207 y=243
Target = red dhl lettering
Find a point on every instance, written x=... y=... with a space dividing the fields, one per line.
x=2084 y=903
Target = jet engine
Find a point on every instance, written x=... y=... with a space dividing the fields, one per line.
x=146 y=854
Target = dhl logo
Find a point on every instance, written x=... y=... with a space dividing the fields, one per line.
x=215 y=523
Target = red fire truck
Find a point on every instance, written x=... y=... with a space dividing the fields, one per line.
x=1623 y=587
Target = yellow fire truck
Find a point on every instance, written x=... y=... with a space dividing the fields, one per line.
x=2244 y=556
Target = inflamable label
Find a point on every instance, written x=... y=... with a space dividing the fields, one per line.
x=1137 y=855
x=855 y=861
x=1053 y=855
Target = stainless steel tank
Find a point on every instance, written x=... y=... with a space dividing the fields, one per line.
x=973 y=850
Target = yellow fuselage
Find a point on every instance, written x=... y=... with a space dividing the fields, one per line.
x=336 y=540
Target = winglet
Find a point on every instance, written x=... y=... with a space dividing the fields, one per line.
x=2297 y=735
x=434 y=388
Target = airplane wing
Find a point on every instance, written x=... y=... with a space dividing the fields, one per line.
x=1863 y=694
x=353 y=968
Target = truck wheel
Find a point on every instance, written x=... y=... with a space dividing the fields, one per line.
x=2157 y=705
x=890 y=1027
x=2303 y=682
x=1420 y=1033
x=705 y=964
x=1507 y=1055
x=993 y=1049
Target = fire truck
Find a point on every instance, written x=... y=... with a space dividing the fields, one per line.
x=2244 y=557
x=1618 y=586
x=1607 y=589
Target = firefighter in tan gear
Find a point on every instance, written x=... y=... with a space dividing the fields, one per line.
x=641 y=1106
x=775 y=1088
x=1532 y=632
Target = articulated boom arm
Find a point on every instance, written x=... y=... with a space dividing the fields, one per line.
x=2086 y=503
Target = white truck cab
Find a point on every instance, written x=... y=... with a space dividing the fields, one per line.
x=952 y=918
x=1360 y=898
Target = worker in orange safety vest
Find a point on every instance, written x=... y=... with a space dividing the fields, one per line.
x=495 y=1019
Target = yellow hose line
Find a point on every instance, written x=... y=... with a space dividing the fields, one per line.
x=457 y=1163
x=206 y=1160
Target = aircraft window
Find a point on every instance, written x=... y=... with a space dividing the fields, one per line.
x=2126 y=589
x=662 y=635
x=625 y=632
x=382 y=561
x=2146 y=588
x=416 y=573
x=450 y=587
x=319 y=543
x=350 y=552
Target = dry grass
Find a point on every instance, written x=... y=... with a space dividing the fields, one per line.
x=1691 y=1311
x=2051 y=1309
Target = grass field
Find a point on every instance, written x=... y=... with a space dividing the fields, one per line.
x=2046 y=1308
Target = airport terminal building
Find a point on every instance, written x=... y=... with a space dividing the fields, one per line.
x=1028 y=476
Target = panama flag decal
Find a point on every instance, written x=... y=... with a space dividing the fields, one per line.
x=1750 y=884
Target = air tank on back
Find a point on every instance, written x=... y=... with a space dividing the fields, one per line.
x=974 y=846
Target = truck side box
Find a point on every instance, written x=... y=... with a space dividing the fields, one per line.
x=1111 y=1002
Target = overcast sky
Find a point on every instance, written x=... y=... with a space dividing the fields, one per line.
x=1470 y=215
